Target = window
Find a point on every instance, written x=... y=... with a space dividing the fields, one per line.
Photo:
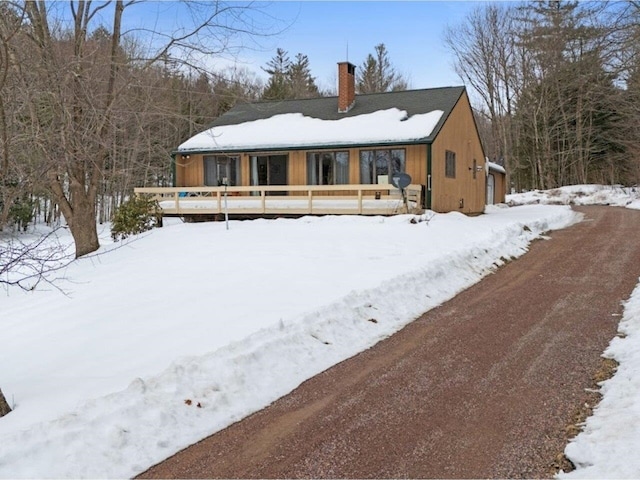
x=450 y=164
x=377 y=164
x=327 y=168
x=219 y=168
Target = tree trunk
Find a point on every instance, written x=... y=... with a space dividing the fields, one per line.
x=79 y=211
x=4 y=406
x=84 y=229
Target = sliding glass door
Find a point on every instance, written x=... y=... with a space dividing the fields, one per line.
x=269 y=170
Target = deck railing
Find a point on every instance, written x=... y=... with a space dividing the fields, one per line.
x=379 y=199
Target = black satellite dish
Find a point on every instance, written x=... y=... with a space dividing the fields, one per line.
x=400 y=180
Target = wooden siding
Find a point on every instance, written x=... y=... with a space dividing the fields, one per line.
x=245 y=169
x=416 y=163
x=459 y=135
x=297 y=167
x=499 y=187
x=189 y=171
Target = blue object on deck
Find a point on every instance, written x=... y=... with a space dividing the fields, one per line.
x=182 y=194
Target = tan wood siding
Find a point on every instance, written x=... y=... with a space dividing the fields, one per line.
x=189 y=171
x=416 y=159
x=297 y=166
x=245 y=170
x=464 y=193
x=499 y=187
x=354 y=166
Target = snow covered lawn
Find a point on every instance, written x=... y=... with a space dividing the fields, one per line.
x=230 y=320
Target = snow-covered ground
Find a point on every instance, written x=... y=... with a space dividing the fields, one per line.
x=231 y=320
x=581 y=195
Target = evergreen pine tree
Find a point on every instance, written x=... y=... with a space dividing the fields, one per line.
x=278 y=87
x=378 y=74
x=301 y=83
x=289 y=79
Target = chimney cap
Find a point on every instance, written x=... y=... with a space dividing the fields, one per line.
x=351 y=68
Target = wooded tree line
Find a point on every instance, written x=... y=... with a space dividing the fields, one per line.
x=87 y=111
x=559 y=89
x=293 y=79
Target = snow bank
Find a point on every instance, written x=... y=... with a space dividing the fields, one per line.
x=297 y=130
x=580 y=195
x=608 y=445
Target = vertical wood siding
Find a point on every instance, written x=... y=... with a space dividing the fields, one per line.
x=500 y=187
x=189 y=171
x=459 y=135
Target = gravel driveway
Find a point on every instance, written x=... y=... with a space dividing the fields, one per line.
x=483 y=386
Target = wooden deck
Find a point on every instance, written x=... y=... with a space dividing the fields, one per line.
x=286 y=200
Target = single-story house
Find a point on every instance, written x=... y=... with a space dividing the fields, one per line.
x=355 y=140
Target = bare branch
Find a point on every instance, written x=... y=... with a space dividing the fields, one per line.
x=26 y=265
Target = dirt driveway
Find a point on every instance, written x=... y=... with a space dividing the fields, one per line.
x=483 y=386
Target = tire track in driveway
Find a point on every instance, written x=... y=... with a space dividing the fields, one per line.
x=482 y=386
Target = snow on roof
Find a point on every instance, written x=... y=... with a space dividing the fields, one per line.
x=296 y=130
x=496 y=167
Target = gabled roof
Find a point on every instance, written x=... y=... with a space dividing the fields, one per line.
x=317 y=113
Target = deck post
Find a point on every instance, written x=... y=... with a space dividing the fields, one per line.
x=263 y=199
x=310 y=201
x=176 y=199
x=226 y=207
x=360 y=201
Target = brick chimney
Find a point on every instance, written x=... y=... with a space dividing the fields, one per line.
x=346 y=86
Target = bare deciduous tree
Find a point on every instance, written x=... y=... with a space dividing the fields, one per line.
x=88 y=88
x=547 y=75
x=486 y=59
x=27 y=264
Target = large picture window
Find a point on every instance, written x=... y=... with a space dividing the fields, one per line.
x=377 y=166
x=449 y=164
x=218 y=168
x=327 y=168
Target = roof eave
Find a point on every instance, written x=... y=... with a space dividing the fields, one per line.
x=281 y=148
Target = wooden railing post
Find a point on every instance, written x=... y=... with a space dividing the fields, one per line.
x=331 y=199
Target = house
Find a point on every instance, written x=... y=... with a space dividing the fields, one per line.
x=349 y=145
